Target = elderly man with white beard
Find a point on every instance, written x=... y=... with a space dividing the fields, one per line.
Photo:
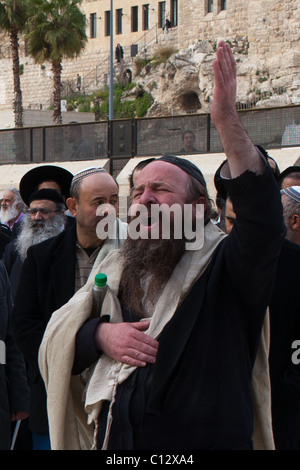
x=12 y=207
x=169 y=365
x=45 y=218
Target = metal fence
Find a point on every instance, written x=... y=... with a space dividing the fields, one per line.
x=120 y=140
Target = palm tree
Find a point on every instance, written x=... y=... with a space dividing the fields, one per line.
x=13 y=18
x=56 y=30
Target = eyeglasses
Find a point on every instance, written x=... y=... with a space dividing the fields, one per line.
x=41 y=210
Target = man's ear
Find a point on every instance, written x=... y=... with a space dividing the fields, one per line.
x=71 y=203
x=295 y=222
x=200 y=200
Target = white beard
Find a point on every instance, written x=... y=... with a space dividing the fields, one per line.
x=8 y=214
x=30 y=234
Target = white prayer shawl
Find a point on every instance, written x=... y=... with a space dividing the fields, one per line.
x=71 y=424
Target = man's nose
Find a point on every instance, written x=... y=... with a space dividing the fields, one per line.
x=148 y=197
x=38 y=216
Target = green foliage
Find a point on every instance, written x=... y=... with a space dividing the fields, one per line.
x=98 y=103
x=14 y=15
x=55 y=30
x=142 y=104
x=262 y=79
x=161 y=56
x=139 y=64
x=85 y=107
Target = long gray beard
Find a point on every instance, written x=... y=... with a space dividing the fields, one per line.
x=31 y=235
x=148 y=265
x=9 y=214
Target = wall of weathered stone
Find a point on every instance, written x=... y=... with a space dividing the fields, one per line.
x=267 y=31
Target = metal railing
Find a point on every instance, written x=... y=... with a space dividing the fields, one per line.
x=149 y=37
x=97 y=77
x=122 y=139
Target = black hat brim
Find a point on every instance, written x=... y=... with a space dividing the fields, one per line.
x=30 y=181
x=288 y=171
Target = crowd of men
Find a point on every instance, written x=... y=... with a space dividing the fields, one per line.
x=192 y=347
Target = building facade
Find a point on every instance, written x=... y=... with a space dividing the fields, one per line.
x=267 y=30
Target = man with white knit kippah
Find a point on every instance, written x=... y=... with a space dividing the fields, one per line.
x=291 y=212
x=86 y=172
x=55 y=269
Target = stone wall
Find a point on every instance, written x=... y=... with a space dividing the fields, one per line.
x=37 y=118
x=268 y=32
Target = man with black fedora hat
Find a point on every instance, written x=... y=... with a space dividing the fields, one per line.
x=45 y=218
x=45 y=176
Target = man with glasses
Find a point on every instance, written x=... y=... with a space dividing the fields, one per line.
x=45 y=219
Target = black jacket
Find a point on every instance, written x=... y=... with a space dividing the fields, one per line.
x=4 y=240
x=285 y=329
x=197 y=395
x=47 y=282
x=14 y=390
x=13 y=265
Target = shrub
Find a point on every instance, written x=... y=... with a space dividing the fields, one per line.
x=98 y=103
x=163 y=54
x=139 y=64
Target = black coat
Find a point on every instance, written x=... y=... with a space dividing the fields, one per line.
x=14 y=391
x=197 y=395
x=119 y=53
x=46 y=283
x=285 y=329
x=13 y=265
x=4 y=240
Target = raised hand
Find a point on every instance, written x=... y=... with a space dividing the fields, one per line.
x=241 y=153
x=224 y=97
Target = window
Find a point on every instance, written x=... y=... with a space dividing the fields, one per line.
x=161 y=14
x=119 y=17
x=210 y=6
x=93 y=25
x=107 y=23
x=223 y=5
x=174 y=12
x=134 y=19
x=145 y=17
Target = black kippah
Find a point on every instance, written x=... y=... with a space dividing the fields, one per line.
x=185 y=165
x=46 y=193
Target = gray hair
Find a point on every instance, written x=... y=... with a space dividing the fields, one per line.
x=75 y=188
x=290 y=207
x=18 y=199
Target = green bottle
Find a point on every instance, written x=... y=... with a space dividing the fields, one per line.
x=99 y=291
